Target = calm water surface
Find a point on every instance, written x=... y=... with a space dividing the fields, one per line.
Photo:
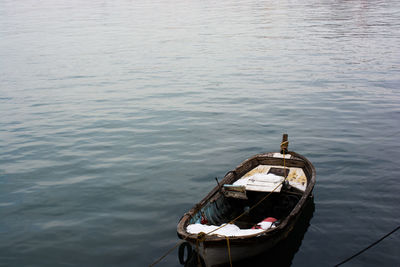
x=117 y=115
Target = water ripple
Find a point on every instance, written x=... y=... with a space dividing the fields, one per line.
x=116 y=117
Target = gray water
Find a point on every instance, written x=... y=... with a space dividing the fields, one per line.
x=117 y=115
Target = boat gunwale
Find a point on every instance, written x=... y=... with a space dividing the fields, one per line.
x=297 y=160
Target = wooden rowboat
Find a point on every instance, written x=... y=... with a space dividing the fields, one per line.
x=269 y=187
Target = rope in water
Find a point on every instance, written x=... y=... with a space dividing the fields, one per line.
x=370 y=246
x=202 y=236
x=166 y=254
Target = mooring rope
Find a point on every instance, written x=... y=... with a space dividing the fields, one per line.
x=166 y=254
x=370 y=246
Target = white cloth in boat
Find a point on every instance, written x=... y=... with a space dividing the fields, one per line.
x=227 y=230
x=263 y=182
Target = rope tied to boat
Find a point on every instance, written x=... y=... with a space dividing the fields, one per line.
x=284 y=144
x=200 y=238
x=229 y=250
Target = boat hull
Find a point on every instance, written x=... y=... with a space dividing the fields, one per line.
x=218 y=255
x=215 y=254
x=214 y=249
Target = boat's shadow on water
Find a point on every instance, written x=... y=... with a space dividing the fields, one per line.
x=280 y=255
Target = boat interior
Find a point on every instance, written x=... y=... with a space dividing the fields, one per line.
x=242 y=197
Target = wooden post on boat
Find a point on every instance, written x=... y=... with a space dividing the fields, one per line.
x=284 y=144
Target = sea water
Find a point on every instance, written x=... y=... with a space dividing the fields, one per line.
x=116 y=117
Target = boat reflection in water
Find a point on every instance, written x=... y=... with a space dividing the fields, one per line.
x=280 y=255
